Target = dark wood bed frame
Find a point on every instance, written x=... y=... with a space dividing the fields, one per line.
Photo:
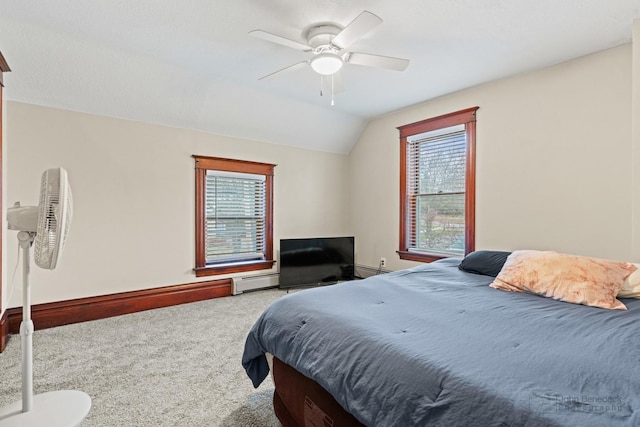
x=301 y=402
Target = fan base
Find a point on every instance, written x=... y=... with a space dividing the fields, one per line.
x=64 y=408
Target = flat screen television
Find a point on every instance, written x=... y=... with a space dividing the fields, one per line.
x=305 y=262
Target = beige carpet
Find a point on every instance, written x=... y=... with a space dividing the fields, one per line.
x=175 y=366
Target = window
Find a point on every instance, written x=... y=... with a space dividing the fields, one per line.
x=437 y=187
x=234 y=214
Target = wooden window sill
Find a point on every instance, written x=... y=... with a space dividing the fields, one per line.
x=422 y=257
x=236 y=267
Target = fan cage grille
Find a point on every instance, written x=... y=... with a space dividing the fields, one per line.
x=54 y=218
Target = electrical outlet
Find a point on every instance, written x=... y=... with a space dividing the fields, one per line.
x=383 y=262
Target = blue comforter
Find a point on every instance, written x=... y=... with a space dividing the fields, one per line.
x=435 y=346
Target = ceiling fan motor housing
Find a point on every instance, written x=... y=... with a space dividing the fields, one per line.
x=319 y=37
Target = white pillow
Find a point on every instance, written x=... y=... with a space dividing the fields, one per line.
x=631 y=287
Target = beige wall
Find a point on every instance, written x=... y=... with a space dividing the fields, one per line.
x=635 y=157
x=133 y=188
x=553 y=163
x=554 y=171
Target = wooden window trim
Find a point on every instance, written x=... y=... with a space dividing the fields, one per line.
x=204 y=163
x=468 y=118
x=4 y=68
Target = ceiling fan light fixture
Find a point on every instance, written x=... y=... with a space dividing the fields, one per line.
x=326 y=63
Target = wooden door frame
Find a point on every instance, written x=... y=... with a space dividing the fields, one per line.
x=4 y=330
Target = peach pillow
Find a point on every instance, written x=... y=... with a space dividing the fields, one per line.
x=569 y=278
x=631 y=286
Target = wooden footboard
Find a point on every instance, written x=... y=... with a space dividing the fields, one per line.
x=299 y=401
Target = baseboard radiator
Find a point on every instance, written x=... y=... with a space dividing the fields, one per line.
x=250 y=283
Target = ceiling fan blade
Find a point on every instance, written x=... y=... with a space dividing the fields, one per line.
x=357 y=28
x=274 y=38
x=286 y=70
x=377 y=61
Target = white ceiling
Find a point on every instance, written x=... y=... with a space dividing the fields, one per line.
x=192 y=64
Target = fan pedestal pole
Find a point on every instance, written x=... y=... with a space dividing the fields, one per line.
x=64 y=408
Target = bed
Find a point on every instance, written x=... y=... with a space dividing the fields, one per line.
x=436 y=346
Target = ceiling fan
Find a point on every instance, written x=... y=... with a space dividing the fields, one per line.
x=328 y=43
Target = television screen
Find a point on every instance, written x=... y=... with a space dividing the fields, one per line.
x=314 y=261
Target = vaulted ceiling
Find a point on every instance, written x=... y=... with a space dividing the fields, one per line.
x=192 y=63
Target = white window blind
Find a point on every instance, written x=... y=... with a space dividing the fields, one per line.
x=436 y=166
x=235 y=217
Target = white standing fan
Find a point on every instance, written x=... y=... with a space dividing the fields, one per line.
x=45 y=227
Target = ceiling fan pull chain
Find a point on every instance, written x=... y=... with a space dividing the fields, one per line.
x=332 y=103
x=321 y=85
